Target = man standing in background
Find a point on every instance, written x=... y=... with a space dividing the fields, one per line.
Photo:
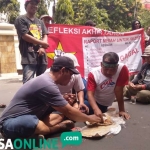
x=46 y=19
x=32 y=35
x=90 y=23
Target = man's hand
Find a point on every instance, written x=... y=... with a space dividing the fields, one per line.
x=135 y=87
x=98 y=113
x=83 y=108
x=94 y=118
x=70 y=98
x=131 y=85
x=124 y=114
x=41 y=51
x=138 y=87
x=44 y=45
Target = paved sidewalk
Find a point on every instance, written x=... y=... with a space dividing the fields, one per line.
x=134 y=136
x=11 y=77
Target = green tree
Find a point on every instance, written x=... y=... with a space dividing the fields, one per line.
x=64 y=13
x=11 y=7
x=42 y=8
x=89 y=11
x=121 y=13
x=144 y=17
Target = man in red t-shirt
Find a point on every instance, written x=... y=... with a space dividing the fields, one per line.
x=105 y=83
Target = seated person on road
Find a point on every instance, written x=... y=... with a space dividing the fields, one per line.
x=139 y=87
x=37 y=99
x=105 y=83
x=75 y=84
x=77 y=99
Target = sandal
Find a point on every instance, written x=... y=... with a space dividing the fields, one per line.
x=2 y=105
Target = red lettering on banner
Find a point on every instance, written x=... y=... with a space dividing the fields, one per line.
x=113 y=33
x=106 y=82
x=108 y=40
x=135 y=38
x=93 y=41
x=122 y=39
x=129 y=54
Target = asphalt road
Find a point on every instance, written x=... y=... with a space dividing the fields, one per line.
x=136 y=135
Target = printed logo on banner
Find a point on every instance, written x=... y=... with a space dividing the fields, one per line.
x=57 y=52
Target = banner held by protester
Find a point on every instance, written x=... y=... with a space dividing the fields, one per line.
x=89 y=44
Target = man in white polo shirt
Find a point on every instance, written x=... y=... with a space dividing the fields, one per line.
x=105 y=83
x=75 y=84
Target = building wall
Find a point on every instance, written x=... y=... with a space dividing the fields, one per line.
x=7 y=54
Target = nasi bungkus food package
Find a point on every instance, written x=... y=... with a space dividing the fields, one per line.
x=111 y=125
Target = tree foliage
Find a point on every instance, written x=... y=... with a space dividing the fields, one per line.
x=11 y=8
x=88 y=11
x=64 y=13
x=144 y=17
x=120 y=12
x=42 y=8
x=115 y=15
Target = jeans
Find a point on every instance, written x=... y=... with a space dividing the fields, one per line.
x=30 y=70
x=19 y=127
x=101 y=107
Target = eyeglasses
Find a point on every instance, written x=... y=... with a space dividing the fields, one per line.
x=137 y=23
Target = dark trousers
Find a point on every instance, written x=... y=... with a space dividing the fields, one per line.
x=101 y=107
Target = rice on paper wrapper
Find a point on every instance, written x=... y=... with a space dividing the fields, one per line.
x=96 y=131
x=100 y=130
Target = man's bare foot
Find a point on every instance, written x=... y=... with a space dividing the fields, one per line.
x=66 y=125
x=62 y=126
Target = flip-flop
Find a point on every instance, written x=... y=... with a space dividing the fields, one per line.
x=2 y=105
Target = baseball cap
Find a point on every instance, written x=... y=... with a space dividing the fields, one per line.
x=66 y=62
x=73 y=57
x=146 y=52
x=46 y=16
x=90 y=23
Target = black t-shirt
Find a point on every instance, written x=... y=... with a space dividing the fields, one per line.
x=35 y=28
x=35 y=97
